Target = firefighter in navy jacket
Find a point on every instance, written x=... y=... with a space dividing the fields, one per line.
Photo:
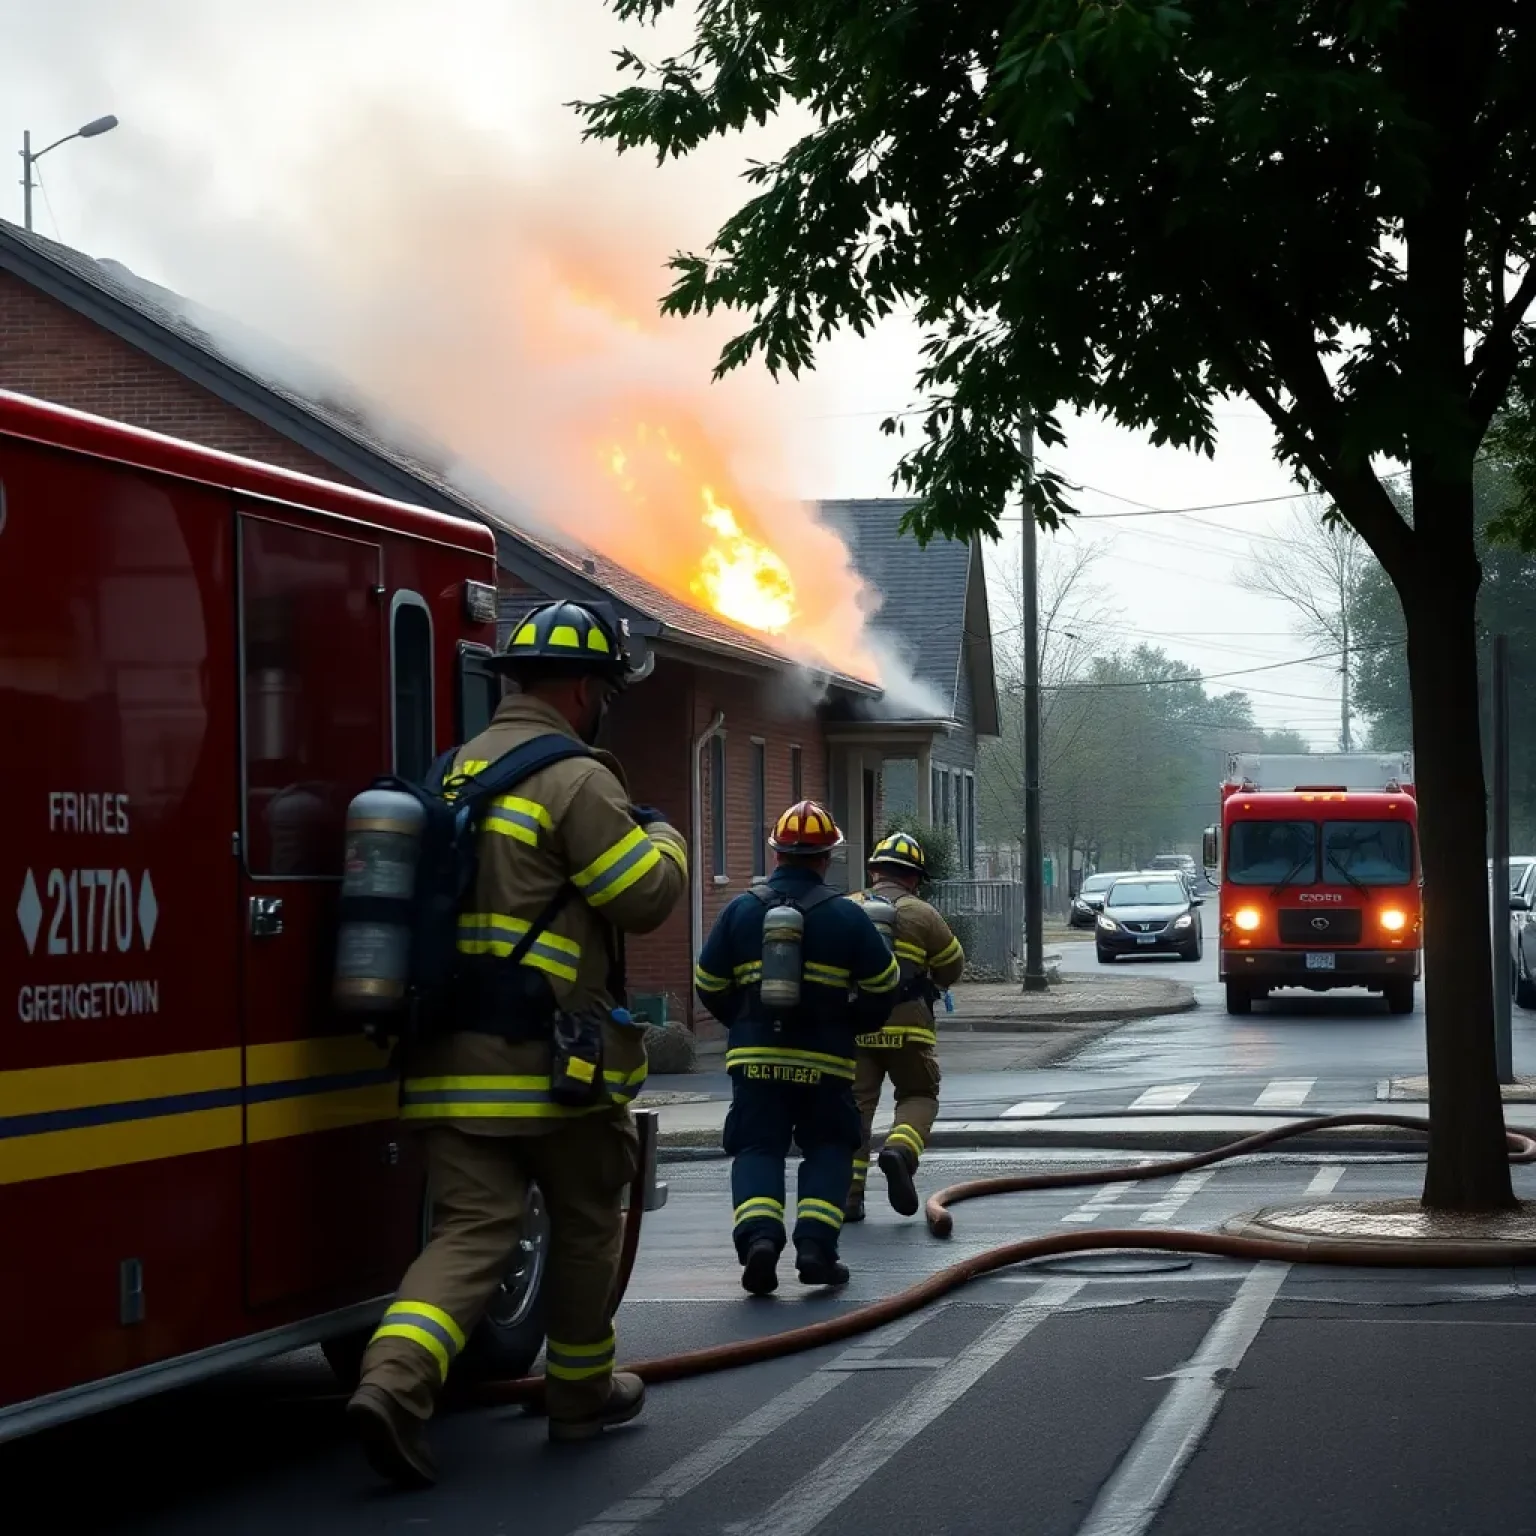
x=792 y=1063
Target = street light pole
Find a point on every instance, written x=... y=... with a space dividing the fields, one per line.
x=91 y=130
x=1034 y=852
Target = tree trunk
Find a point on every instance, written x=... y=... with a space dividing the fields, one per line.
x=1468 y=1166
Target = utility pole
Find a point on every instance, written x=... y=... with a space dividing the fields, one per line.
x=26 y=178
x=1034 y=852
x=1498 y=878
x=1345 y=744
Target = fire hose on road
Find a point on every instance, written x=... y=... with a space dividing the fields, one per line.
x=1417 y=1253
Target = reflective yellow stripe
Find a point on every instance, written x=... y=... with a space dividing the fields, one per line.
x=427 y=1341
x=674 y=851
x=810 y=1209
x=748 y=970
x=579 y=1362
x=512 y=816
x=612 y=873
x=564 y=635
x=885 y=981
x=433 y=1314
x=894 y=1036
x=951 y=951
x=904 y=1136
x=836 y=972
x=708 y=983
x=906 y=951
x=757 y=1208
x=502 y=1097
x=802 y=1061
x=494 y=933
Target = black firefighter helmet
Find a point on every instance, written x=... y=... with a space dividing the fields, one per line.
x=567 y=636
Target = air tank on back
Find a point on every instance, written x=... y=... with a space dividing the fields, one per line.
x=883 y=915
x=373 y=949
x=783 y=940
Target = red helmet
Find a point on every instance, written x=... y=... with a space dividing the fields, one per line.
x=806 y=827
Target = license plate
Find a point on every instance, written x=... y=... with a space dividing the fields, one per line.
x=1146 y=938
x=1323 y=962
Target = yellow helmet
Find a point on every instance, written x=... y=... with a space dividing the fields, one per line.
x=900 y=851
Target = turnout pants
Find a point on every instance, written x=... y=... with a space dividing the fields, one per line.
x=914 y=1074
x=479 y=1190
x=765 y=1115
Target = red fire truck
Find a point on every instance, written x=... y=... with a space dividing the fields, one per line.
x=201 y=660
x=1319 y=870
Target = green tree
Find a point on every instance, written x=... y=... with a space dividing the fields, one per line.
x=1137 y=207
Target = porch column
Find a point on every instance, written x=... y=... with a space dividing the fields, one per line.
x=925 y=783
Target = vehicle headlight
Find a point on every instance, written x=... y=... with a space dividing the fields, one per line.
x=1246 y=918
x=1107 y=922
x=1394 y=920
x=1186 y=921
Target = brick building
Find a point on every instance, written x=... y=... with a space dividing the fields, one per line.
x=722 y=731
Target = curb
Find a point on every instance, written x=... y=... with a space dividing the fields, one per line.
x=1178 y=999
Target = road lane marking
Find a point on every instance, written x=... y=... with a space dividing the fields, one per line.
x=1138 y=1488
x=1286 y=1093
x=1326 y=1179
x=1168 y=1096
x=913 y=1363
x=1032 y=1109
x=1096 y=1204
x=1187 y=1186
x=698 y=1466
x=824 y=1490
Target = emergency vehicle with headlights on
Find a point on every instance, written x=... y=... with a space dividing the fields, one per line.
x=202 y=660
x=1320 y=885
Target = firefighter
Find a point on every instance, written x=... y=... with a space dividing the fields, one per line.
x=795 y=972
x=905 y=1048
x=481 y=1095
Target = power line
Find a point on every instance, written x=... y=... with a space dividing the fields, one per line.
x=1213 y=677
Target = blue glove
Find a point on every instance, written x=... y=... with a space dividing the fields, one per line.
x=646 y=814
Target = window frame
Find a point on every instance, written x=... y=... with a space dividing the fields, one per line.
x=719 y=843
x=759 y=807
x=255 y=511
x=402 y=600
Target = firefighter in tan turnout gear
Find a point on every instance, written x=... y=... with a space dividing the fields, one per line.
x=493 y=1098
x=906 y=1047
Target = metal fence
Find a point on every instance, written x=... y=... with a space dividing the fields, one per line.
x=988 y=919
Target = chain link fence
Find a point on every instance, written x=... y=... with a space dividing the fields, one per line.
x=987 y=916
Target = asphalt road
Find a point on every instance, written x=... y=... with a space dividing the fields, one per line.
x=1086 y=1399
x=1110 y=1396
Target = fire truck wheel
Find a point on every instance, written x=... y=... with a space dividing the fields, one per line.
x=511 y=1334
x=1399 y=996
x=1239 y=998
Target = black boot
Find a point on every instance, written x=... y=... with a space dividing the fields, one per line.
x=853 y=1210
x=816 y=1266
x=760 y=1268
x=898 y=1164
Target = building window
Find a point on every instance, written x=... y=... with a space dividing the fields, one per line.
x=968 y=833
x=759 y=807
x=717 y=803
x=796 y=776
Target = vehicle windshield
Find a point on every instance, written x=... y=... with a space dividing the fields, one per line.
x=1147 y=893
x=1369 y=852
x=1096 y=883
x=1267 y=852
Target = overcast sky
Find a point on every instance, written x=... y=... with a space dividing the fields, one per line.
x=275 y=160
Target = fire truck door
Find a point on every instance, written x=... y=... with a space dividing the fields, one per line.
x=329 y=1214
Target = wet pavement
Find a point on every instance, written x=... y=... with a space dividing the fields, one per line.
x=1102 y=1395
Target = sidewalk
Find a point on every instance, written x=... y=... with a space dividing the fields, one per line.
x=1075 y=999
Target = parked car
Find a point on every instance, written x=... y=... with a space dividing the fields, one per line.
x=1148 y=914
x=1089 y=901
x=1522 y=930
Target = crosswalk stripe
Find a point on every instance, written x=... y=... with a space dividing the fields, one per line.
x=1286 y=1093
x=1168 y=1096
x=1032 y=1109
